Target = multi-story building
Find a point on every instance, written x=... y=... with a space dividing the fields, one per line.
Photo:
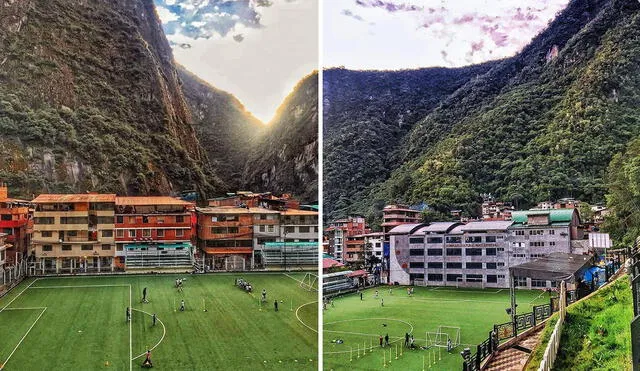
x=74 y=232
x=3 y=251
x=354 y=253
x=153 y=232
x=478 y=253
x=373 y=244
x=266 y=229
x=340 y=230
x=16 y=223
x=395 y=215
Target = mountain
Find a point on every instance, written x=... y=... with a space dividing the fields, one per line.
x=90 y=100
x=226 y=130
x=367 y=114
x=285 y=160
x=541 y=125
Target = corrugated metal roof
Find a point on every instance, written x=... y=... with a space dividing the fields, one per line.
x=299 y=212
x=150 y=200
x=557 y=266
x=498 y=225
x=555 y=215
x=72 y=198
x=235 y=210
x=437 y=227
x=406 y=228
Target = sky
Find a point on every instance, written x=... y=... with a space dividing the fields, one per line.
x=256 y=50
x=397 y=34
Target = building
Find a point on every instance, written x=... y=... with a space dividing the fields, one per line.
x=74 y=233
x=373 y=244
x=153 y=232
x=354 y=253
x=340 y=230
x=241 y=238
x=3 y=250
x=395 y=215
x=16 y=223
x=478 y=254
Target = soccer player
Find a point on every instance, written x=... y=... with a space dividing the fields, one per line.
x=147 y=360
x=449 y=345
x=144 y=295
x=360 y=295
x=275 y=305
x=406 y=339
x=182 y=305
x=264 y=294
x=381 y=341
x=155 y=318
x=382 y=302
x=386 y=339
x=376 y=293
x=128 y=314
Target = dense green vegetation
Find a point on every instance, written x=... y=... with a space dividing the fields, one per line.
x=90 y=100
x=596 y=334
x=530 y=128
x=285 y=159
x=83 y=328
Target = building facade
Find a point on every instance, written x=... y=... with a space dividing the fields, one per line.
x=153 y=232
x=339 y=232
x=74 y=233
x=16 y=224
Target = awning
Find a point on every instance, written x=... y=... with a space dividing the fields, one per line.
x=329 y=263
x=215 y=251
x=133 y=246
x=555 y=267
x=358 y=273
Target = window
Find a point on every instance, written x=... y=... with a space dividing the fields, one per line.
x=119 y=219
x=179 y=232
x=131 y=220
x=473 y=252
x=520 y=281
x=416 y=265
x=145 y=219
x=536 y=244
x=263 y=216
x=490 y=239
x=501 y=276
x=303 y=229
x=47 y=248
x=290 y=229
x=434 y=265
x=66 y=247
x=454 y=252
x=270 y=228
x=6 y=217
x=474 y=266
x=416 y=240
x=87 y=247
x=490 y=252
x=453 y=277
x=519 y=255
x=454 y=239
x=146 y=233
x=413 y=276
x=434 y=277
x=72 y=233
x=434 y=240
x=104 y=220
x=106 y=247
x=473 y=239
x=500 y=264
x=107 y=233
x=160 y=232
x=500 y=249
x=538 y=283
x=224 y=230
x=518 y=244
x=474 y=277
x=44 y=220
x=552 y=243
x=519 y=233
x=452 y=265
x=533 y=256
x=551 y=231
x=416 y=252
x=180 y=219
x=46 y=233
x=262 y=228
x=536 y=232
x=492 y=266
x=492 y=278
x=119 y=233
x=132 y=233
x=434 y=252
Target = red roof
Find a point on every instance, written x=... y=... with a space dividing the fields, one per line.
x=328 y=263
x=72 y=198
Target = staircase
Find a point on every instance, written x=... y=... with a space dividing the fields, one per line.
x=515 y=357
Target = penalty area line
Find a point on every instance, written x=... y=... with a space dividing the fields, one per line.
x=164 y=332
x=23 y=337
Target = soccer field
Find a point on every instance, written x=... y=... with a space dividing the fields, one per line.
x=360 y=323
x=79 y=323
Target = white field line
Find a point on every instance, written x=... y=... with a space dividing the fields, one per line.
x=130 y=333
x=21 y=340
x=365 y=334
x=456 y=301
x=293 y=278
x=26 y=308
x=17 y=296
x=300 y=320
x=164 y=332
x=76 y=286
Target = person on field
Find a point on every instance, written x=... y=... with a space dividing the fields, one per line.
x=264 y=294
x=275 y=305
x=154 y=318
x=144 y=295
x=381 y=341
x=386 y=339
x=360 y=295
x=406 y=339
x=147 y=360
x=128 y=314
x=182 y=305
x=382 y=302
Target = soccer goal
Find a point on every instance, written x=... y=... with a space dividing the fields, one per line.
x=469 y=282
x=443 y=336
x=309 y=282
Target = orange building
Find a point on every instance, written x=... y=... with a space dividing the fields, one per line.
x=225 y=235
x=153 y=232
x=16 y=223
x=74 y=233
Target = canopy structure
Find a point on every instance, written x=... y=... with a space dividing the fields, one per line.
x=555 y=267
x=158 y=245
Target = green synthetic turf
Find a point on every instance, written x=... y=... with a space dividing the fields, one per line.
x=85 y=328
x=359 y=324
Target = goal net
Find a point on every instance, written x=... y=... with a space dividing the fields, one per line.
x=309 y=282
x=444 y=337
x=469 y=282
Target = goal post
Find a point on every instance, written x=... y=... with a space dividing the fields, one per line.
x=309 y=282
x=442 y=336
x=469 y=282
x=452 y=333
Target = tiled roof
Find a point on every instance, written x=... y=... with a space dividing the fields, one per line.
x=71 y=198
x=150 y=200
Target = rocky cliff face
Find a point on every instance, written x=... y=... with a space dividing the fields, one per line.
x=227 y=132
x=286 y=158
x=90 y=99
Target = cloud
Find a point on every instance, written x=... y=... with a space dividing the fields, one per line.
x=349 y=13
x=389 y=6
